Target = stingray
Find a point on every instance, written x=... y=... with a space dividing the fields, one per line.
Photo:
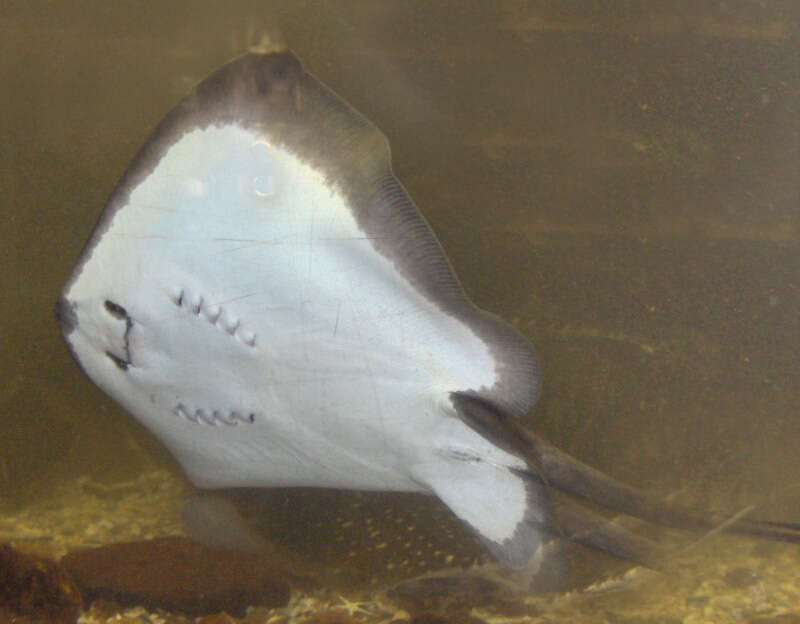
x=262 y=294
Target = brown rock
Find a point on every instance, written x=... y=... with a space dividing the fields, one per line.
x=447 y=593
x=177 y=574
x=429 y=618
x=454 y=617
x=217 y=618
x=35 y=590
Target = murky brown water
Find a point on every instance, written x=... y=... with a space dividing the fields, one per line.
x=619 y=181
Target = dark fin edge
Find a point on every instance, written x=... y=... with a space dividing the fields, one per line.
x=562 y=472
x=517 y=551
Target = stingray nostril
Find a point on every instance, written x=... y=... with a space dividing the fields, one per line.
x=115 y=310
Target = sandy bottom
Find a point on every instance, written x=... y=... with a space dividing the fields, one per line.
x=722 y=579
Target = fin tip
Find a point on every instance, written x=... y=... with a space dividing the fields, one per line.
x=268 y=44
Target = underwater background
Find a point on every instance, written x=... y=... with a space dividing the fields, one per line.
x=619 y=180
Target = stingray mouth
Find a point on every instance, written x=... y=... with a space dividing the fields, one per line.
x=94 y=327
x=120 y=354
x=213 y=417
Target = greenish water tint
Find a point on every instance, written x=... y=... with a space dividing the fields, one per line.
x=620 y=182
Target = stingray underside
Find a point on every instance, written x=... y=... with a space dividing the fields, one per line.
x=263 y=295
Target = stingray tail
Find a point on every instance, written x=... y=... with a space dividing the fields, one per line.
x=567 y=474
x=570 y=521
x=580 y=480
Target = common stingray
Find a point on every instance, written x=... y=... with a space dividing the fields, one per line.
x=262 y=294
